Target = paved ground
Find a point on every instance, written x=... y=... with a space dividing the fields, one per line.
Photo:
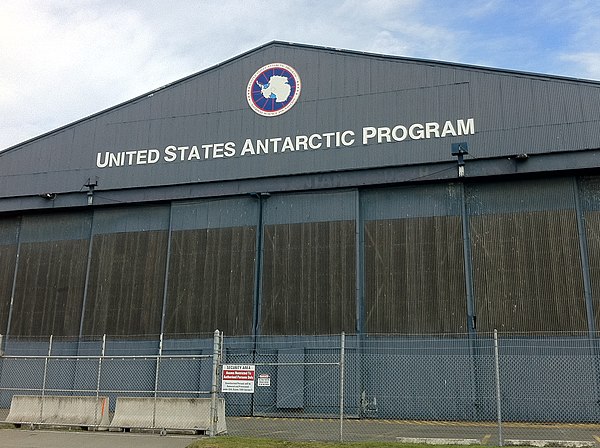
x=39 y=438
x=391 y=430
x=307 y=429
x=54 y=438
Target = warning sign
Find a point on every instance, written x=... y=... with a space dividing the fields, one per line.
x=238 y=378
x=264 y=380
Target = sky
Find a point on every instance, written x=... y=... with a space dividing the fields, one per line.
x=63 y=60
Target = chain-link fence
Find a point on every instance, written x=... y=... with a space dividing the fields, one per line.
x=476 y=388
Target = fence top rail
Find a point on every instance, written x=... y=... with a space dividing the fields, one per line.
x=106 y=356
x=296 y=363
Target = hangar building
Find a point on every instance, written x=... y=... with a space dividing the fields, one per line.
x=301 y=190
x=184 y=210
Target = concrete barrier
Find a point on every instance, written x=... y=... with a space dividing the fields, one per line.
x=167 y=413
x=437 y=441
x=59 y=410
x=550 y=443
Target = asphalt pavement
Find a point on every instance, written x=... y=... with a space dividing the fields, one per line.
x=485 y=433
x=39 y=438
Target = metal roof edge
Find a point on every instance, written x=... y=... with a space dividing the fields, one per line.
x=445 y=63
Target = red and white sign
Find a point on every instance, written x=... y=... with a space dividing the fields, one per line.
x=238 y=378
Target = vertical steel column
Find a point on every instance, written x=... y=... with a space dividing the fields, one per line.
x=214 y=415
x=1 y=355
x=468 y=261
x=258 y=268
x=470 y=296
x=359 y=266
x=342 y=366
x=167 y=267
x=87 y=280
x=360 y=292
x=14 y=285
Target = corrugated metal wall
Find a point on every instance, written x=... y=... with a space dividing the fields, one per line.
x=414 y=269
x=212 y=266
x=211 y=281
x=309 y=278
x=127 y=271
x=9 y=229
x=526 y=256
x=589 y=188
x=126 y=284
x=389 y=260
x=414 y=276
x=309 y=275
x=50 y=279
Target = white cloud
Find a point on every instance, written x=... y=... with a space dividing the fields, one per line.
x=587 y=64
x=60 y=65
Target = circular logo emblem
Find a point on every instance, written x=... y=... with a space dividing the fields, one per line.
x=273 y=89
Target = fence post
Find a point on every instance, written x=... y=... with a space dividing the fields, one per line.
x=342 y=364
x=1 y=345
x=158 y=358
x=45 y=376
x=98 y=378
x=498 y=398
x=213 y=389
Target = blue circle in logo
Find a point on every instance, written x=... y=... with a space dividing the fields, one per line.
x=273 y=89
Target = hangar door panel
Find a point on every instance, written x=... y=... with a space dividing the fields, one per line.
x=589 y=189
x=414 y=275
x=309 y=278
x=125 y=292
x=309 y=264
x=51 y=275
x=527 y=270
x=8 y=257
x=211 y=281
x=127 y=271
x=592 y=223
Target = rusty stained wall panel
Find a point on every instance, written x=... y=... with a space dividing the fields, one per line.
x=414 y=276
x=50 y=285
x=211 y=281
x=126 y=284
x=8 y=257
x=527 y=272
x=592 y=228
x=589 y=187
x=308 y=281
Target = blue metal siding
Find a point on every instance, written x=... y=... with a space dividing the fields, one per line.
x=309 y=207
x=139 y=219
x=513 y=113
x=411 y=202
x=214 y=214
x=520 y=196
